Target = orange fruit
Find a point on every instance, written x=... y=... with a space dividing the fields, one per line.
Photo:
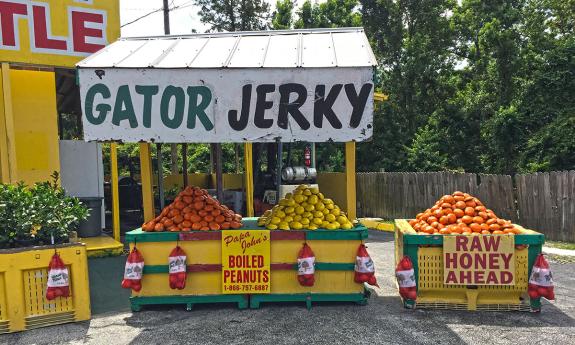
x=178 y=219
x=470 y=203
x=466 y=219
x=444 y=220
x=458 y=212
x=470 y=211
x=460 y=205
x=449 y=199
x=494 y=227
x=475 y=227
x=478 y=220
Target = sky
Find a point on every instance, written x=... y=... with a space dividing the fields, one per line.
x=183 y=19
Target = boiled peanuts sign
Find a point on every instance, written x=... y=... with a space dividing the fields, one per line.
x=479 y=260
x=246 y=261
x=227 y=105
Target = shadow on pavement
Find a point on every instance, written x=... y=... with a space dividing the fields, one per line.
x=380 y=236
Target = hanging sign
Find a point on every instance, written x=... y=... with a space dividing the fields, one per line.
x=227 y=105
x=479 y=260
x=56 y=32
x=245 y=261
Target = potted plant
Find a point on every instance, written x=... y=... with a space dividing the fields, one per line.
x=38 y=215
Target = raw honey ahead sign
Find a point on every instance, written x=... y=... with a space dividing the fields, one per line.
x=245 y=261
x=479 y=260
x=56 y=32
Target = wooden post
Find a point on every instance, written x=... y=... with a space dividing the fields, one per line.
x=146 y=180
x=8 y=166
x=219 y=172
x=249 y=178
x=185 y=164
x=115 y=191
x=350 y=179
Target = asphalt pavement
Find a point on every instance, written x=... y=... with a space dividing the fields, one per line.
x=382 y=321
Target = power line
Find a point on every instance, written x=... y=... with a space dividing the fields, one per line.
x=182 y=6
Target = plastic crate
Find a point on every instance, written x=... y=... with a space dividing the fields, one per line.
x=23 y=278
x=335 y=253
x=426 y=253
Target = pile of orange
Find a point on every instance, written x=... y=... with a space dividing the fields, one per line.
x=461 y=213
x=194 y=209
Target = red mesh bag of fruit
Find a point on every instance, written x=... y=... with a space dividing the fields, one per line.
x=58 y=279
x=541 y=280
x=364 y=267
x=133 y=271
x=306 y=266
x=405 y=276
x=177 y=264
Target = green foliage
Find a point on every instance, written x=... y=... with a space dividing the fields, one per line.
x=282 y=18
x=479 y=86
x=328 y=14
x=234 y=15
x=32 y=215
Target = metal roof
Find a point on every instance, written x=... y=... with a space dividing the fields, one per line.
x=342 y=47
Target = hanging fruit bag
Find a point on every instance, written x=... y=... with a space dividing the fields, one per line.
x=133 y=271
x=364 y=267
x=306 y=266
x=405 y=276
x=58 y=279
x=541 y=280
x=177 y=265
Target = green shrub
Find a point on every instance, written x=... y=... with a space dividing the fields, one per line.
x=32 y=215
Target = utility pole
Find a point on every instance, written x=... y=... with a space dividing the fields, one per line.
x=173 y=147
x=166 y=18
x=159 y=146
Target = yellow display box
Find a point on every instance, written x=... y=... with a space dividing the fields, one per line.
x=426 y=253
x=335 y=252
x=23 y=279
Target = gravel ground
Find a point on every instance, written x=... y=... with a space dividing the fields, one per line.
x=382 y=321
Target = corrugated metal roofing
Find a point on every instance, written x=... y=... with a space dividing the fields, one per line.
x=342 y=47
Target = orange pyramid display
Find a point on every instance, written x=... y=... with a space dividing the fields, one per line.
x=194 y=209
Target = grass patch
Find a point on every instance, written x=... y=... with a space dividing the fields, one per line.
x=560 y=245
x=561 y=259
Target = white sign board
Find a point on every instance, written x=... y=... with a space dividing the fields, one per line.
x=227 y=105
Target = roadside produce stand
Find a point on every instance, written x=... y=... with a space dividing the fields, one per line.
x=463 y=268
x=273 y=86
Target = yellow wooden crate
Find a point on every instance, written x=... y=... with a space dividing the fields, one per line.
x=23 y=279
x=426 y=253
x=208 y=252
x=335 y=253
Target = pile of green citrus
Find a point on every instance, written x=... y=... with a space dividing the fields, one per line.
x=305 y=208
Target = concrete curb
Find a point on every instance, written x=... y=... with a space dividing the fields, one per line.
x=558 y=251
x=377 y=224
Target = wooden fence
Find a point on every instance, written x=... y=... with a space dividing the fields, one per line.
x=540 y=201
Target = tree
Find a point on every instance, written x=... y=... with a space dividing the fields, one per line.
x=234 y=15
x=282 y=17
x=329 y=14
x=412 y=41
